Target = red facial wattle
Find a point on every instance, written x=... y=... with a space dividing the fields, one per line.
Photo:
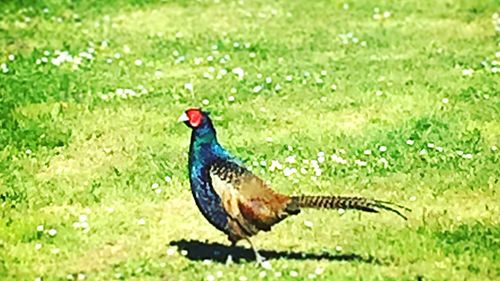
x=195 y=116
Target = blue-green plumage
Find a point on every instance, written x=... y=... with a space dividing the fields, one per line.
x=204 y=150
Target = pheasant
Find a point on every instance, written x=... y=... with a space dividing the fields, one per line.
x=237 y=202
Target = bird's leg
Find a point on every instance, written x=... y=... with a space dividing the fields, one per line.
x=229 y=259
x=258 y=258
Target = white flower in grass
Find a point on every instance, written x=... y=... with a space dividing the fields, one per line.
x=493 y=148
x=387 y=14
x=294 y=273
x=12 y=57
x=269 y=80
x=360 y=163
x=319 y=270
x=208 y=76
x=321 y=159
x=308 y=224
x=80 y=276
x=367 y=152
x=338 y=248
x=262 y=274
x=378 y=93
x=468 y=72
x=252 y=55
x=171 y=251
x=52 y=232
x=28 y=151
x=38 y=246
x=382 y=148
x=155 y=185
x=323 y=72
x=311 y=275
x=210 y=277
x=345 y=6
x=467 y=156
x=257 y=89
x=334 y=87
x=141 y=221
x=445 y=100
x=238 y=71
x=338 y=159
x=413 y=198
x=138 y=62
x=275 y=165
x=291 y=159
x=289 y=171
x=188 y=86
x=410 y=142
x=210 y=58
x=341 y=211
x=384 y=162
x=440 y=149
x=55 y=251
x=430 y=145
x=85 y=225
x=205 y=102
x=423 y=151
x=289 y=78
x=38 y=278
x=230 y=98
x=243 y=278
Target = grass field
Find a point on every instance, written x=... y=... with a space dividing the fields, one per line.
x=396 y=100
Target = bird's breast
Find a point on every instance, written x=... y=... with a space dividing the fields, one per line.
x=208 y=201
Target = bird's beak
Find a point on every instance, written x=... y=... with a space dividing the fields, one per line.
x=183 y=118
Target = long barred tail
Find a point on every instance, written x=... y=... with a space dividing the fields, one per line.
x=341 y=202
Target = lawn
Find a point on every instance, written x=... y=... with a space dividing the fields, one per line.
x=395 y=100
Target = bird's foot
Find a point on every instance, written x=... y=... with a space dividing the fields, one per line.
x=229 y=260
x=259 y=260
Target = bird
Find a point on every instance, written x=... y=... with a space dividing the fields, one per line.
x=239 y=203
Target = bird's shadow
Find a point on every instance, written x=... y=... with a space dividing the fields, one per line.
x=200 y=251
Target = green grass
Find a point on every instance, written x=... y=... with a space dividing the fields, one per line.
x=94 y=153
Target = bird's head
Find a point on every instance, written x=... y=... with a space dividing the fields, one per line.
x=194 y=118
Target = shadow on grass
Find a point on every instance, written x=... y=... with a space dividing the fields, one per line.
x=199 y=251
